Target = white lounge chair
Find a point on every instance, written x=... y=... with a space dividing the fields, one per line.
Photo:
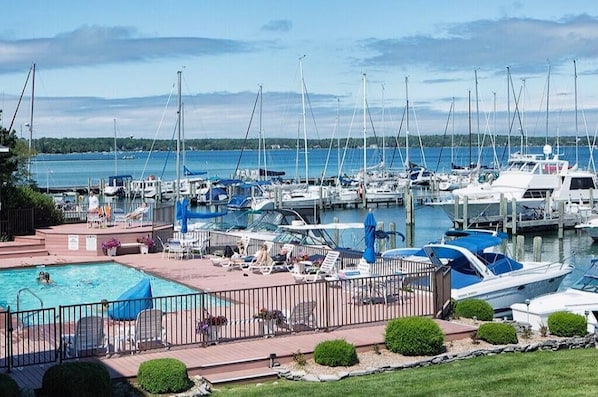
x=149 y=332
x=89 y=338
x=327 y=270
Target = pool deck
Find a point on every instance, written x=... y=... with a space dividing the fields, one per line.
x=226 y=362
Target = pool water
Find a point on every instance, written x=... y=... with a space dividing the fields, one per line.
x=76 y=284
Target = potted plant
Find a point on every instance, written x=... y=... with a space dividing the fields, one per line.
x=147 y=243
x=110 y=246
x=268 y=319
x=210 y=326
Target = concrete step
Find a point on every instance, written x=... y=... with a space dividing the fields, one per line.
x=249 y=375
x=23 y=246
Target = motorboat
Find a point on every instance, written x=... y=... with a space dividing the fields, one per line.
x=117 y=184
x=581 y=298
x=479 y=270
x=537 y=182
x=590 y=226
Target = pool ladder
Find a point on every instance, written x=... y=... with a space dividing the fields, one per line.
x=26 y=320
x=32 y=293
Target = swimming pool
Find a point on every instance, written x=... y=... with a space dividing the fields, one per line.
x=76 y=284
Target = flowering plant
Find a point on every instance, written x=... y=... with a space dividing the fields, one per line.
x=206 y=323
x=147 y=241
x=112 y=243
x=266 y=314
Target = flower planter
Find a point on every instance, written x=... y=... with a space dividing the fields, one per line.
x=267 y=327
x=213 y=334
x=144 y=249
x=111 y=251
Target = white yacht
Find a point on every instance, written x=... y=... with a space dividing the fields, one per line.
x=536 y=182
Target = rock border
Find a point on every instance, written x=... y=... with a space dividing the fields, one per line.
x=585 y=342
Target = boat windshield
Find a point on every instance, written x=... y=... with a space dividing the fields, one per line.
x=589 y=281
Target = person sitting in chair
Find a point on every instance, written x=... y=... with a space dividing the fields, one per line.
x=239 y=250
x=138 y=211
x=263 y=257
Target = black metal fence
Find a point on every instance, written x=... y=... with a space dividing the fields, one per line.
x=116 y=327
x=17 y=222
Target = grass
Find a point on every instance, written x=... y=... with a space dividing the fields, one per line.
x=542 y=373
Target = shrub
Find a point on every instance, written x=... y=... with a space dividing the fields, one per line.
x=470 y=308
x=498 y=333
x=163 y=375
x=414 y=336
x=567 y=324
x=77 y=379
x=8 y=386
x=334 y=353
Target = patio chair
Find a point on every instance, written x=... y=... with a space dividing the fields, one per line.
x=301 y=317
x=165 y=247
x=326 y=270
x=199 y=248
x=149 y=332
x=89 y=338
x=176 y=249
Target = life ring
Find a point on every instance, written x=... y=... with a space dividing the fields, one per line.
x=80 y=198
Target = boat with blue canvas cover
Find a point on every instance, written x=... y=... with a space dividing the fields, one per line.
x=479 y=270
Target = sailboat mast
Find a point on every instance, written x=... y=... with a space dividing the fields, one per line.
x=178 y=141
x=547 y=102
x=364 y=181
x=576 y=125
x=407 y=161
x=115 y=155
x=304 y=120
x=31 y=117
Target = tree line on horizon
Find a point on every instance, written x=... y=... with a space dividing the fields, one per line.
x=107 y=144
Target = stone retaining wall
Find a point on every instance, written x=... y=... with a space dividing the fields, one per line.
x=589 y=341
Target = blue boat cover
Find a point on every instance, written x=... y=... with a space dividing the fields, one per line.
x=132 y=301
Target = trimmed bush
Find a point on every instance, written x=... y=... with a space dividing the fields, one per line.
x=163 y=375
x=470 y=308
x=498 y=333
x=334 y=353
x=8 y=386
x=77 y=379
x=567 y=324
x=414 y=336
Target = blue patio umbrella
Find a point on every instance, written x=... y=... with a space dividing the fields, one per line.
x=370 y=237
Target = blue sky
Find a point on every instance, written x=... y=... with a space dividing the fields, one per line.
x=97 y=61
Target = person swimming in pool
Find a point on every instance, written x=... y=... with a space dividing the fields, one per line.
x=44 y=277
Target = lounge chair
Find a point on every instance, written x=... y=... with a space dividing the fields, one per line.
x=285 y=265
x=301 y=317
x=149 y=332
x=326 y=270
x=89 y=338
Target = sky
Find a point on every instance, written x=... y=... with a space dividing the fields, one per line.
x=105 y=68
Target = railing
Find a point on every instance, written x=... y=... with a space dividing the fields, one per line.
x=116 y=327
x=17 y=222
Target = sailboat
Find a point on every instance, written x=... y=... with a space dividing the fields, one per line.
x=116 y=183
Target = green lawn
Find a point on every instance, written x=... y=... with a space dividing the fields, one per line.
x=542 y=373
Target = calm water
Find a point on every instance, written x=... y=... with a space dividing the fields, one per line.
x=74 y=284
x=78 y=169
